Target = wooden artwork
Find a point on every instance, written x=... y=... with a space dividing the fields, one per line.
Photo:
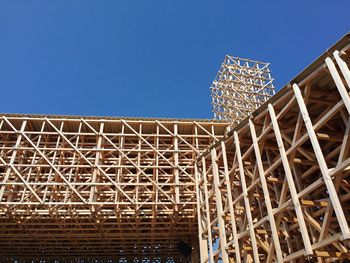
x=269 y=181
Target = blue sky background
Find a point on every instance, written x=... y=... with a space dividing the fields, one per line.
x=150 y=58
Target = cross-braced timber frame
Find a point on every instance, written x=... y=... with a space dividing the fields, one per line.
x=277 y=187
x=94 y=188
x=241 y=86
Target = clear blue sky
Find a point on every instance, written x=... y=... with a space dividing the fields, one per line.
x=150 y=58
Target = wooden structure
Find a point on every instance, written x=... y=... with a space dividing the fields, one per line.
x=99 y=188
x=277 y=187
x=240 y=87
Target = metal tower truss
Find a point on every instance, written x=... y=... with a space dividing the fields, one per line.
x=277 y=187
x=240 y=87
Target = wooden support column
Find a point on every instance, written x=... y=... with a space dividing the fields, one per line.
x=266 y=193
x=207 y=209
x=155 y=178
x=119 y=174
x=292 y=188
x=138 y=175
x=323 y=165
x=230 y=203
x=93 y=191
x=176 y=168
x=53 y=160
x=219 y=209
x=246 y=199
x=203 y=242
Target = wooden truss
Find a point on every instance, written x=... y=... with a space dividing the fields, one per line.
x=95 y=188
x=277 y=187
x=240 y=87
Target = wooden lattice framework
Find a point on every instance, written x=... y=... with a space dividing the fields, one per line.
x=241 y=86
x=277 y=187
x=99 y=188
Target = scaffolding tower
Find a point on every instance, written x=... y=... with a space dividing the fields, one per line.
x=241 y=86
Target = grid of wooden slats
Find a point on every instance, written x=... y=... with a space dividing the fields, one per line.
x=92 y=188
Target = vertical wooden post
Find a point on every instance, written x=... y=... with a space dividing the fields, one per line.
x=230 y=203
x=176 y=169
x=203 y=242
x=207 y=209
x=95 y=172
x=246 y=198
x=219 y=209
